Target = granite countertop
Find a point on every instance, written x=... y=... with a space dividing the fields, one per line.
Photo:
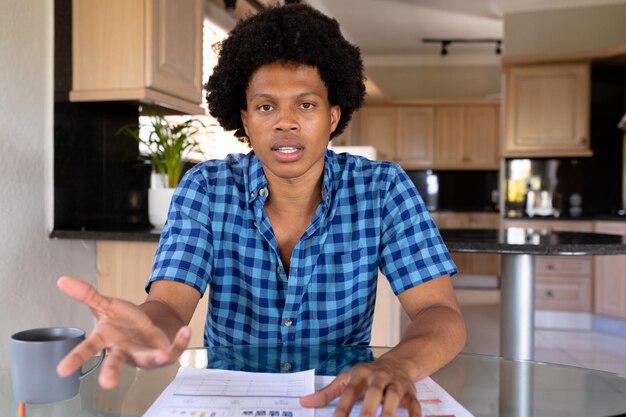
x=148 y=235
x=152 y=235
x=532 y=242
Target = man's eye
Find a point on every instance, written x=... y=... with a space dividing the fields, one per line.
x=307 y=106
x=265 y=107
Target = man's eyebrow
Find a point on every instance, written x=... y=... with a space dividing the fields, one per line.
x=301 y=95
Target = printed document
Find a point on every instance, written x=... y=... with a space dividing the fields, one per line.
x=221 y=393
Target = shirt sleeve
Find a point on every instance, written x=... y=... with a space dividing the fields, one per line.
x=412 y=250
x=185 y=251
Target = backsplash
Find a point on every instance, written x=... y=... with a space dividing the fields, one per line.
x=457 y=190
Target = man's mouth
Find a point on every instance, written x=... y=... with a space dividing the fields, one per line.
x=287 y=149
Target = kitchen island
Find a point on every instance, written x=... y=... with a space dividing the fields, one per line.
x=518 y=248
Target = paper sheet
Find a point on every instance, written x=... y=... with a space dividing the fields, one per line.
x=435 y=401
x=219 y=393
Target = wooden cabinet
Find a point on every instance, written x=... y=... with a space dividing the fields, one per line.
x=562 y=283
x=123 y=271
x=138 y=50
x=610 y=276
x=471 y=263
x=415 y=137
x=467 y=137
x=435 y=134
x=376 y=126
x=547 y=110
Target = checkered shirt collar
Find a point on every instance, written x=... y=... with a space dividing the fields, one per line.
x=257 y=180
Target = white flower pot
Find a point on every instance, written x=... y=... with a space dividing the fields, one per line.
x=158 y=205
x=159 y=198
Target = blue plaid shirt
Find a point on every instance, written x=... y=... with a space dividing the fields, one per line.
x=218 y=235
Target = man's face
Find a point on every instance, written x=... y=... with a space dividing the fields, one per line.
x=289 y=120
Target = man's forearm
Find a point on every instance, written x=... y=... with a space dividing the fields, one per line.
x=434 y=337
x=163 y=316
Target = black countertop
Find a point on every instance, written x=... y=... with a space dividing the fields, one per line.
x=152 y=235
x=148 y=235
x=532 y=242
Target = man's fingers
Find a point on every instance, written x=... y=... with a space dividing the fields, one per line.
x=79 y=355
x=111 y=368
x=181 y=342
x=412 y=405
x=373 y=397
x=391 y=401
x=327 y=394
x=350 y=395
x=82 y=291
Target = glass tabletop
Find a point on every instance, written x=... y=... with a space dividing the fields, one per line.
x=485 y=385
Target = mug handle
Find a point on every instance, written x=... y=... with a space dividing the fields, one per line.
x=93 y=368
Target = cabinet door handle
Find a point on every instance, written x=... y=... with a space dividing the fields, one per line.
x=550 y=293
x=550 y=267
x=583 y=140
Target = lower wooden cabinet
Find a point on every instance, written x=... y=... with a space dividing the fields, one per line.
x=562 y=283
x=124 y=269
x=610 y=276
x=486 y=264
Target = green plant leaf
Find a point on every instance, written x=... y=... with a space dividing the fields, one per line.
x=167 y=143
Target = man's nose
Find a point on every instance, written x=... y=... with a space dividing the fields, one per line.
x=287 y=120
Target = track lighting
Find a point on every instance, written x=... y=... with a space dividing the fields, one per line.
x=445 y=43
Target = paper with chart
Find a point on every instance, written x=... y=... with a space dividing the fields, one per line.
x=219 y=393
x=434 y=400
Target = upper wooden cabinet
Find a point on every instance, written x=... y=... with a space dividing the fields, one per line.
x=433 y=135
x=415 y=136
x=144 y=50
x=376 y=126
x=547 y=110
x=467 y=137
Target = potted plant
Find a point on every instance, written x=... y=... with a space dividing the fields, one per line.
x=166 y=144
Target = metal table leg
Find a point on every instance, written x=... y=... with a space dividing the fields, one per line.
x=517 y=306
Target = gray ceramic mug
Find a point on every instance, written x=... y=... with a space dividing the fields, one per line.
x=35 y=355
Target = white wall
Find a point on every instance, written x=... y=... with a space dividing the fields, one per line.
x=562 y=31
x=30 y=262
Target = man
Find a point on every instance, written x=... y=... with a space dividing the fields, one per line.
x=289 y=237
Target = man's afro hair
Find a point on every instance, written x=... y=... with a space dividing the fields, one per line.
x=294 y=33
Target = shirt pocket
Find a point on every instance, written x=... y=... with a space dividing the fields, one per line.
x=342 y=262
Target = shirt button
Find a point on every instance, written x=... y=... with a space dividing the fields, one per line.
x=287 y=366
x=252 y=195
x=254 y=223
x=278 y=269
x=262 y=192
x=288 y=322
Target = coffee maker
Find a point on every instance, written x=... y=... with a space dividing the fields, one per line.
x=541 y=202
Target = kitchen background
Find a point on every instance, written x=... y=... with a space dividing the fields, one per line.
x=66 y=170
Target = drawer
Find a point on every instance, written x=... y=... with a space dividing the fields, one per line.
x=565 y=293
x=563 y=265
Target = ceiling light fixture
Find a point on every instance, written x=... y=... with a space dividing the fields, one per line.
x=445 y=43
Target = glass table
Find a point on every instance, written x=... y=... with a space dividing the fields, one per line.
x=518 y=248
x=486 y=386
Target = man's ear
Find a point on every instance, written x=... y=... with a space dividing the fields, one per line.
x=335 y=116
x=244 y=120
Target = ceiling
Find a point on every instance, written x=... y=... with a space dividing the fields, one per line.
x=395 y=28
